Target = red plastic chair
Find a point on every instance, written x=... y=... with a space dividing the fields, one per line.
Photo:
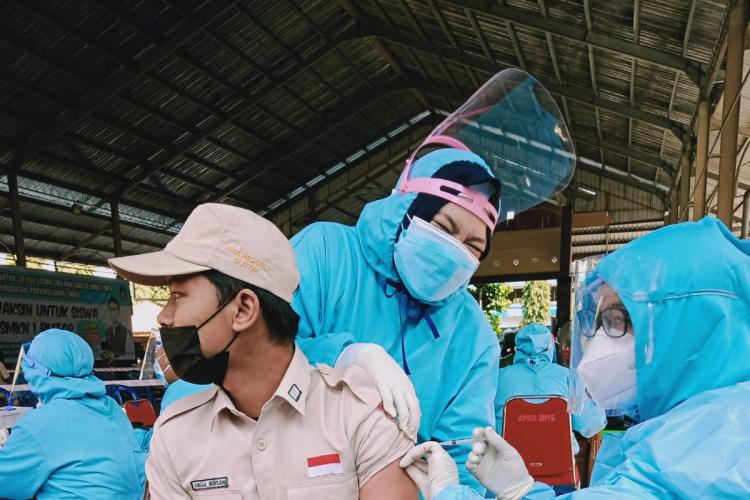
x=140 y=411
x=539 y=428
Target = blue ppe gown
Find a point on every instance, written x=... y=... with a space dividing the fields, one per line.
x=690 y=282
x=78 y=443
x=534 y=374
x=351 y=292
x=608 y=456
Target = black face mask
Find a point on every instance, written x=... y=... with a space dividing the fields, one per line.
x=183 y=348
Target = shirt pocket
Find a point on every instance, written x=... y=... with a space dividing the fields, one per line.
x=336 y=487
x=218 y=494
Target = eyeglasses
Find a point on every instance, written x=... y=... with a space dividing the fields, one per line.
x=614 y=320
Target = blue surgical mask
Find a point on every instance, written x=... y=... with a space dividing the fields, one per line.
x=432 y=264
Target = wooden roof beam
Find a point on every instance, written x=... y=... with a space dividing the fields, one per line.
x=361 y=22
x=272 y=161
x=569 y=91
x=188 y=30
x=584 y=35
x=239 y=110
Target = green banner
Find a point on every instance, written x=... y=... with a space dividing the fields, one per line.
x=97 y=309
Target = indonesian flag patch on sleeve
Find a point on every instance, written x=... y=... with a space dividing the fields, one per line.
x=324 y=465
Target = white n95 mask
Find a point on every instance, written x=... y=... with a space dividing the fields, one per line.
x=607 y=369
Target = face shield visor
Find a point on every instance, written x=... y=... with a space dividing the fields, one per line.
x=151 y=368
x=11 y=414
x=603 y=350
x=514 y=124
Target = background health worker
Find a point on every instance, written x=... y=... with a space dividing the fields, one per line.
x=78 y=443
x=533 y=373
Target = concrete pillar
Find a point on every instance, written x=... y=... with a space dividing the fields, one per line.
x=731 y=111
x=701 y=160
x=15 y=212
x=674 y=205
x=565 y=279
x=684 y=187
x=745 y=214
x=114 y=207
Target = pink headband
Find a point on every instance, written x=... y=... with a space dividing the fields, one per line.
x=470 y=199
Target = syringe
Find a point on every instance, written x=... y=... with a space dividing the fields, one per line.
x=455 y=442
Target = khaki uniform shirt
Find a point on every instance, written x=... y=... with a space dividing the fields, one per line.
x=322 y=435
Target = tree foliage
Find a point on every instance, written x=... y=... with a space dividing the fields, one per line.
x=157 y=294
x=493 y=298
x=536 y=300
x=74 y=268
x=51 y=265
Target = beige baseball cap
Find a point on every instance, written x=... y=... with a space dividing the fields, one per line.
x=231 y=240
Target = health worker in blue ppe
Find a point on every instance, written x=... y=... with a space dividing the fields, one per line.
x=661 y=334
x=78 y=443
x=390 y=293
x=533 y=373
x=175 y=389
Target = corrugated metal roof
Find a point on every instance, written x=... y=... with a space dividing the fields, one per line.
x=606 y=239
x=279 y=107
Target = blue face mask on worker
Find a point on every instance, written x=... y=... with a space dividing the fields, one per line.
x=432 y=264
x=183 y=349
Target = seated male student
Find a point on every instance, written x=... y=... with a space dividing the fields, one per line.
x=273 y=427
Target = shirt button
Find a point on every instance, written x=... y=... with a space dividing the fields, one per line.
x=261 y=444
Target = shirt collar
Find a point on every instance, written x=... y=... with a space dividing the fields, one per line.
x=293 y=387
x=296 y=382
x=222 y=401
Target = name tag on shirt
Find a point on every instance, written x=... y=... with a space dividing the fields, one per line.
x=324 y=465
x=213 y=483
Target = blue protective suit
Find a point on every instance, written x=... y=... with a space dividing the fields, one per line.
x=608 y=455
x=79 y=443
x=534 y=374
x=350 y=292
x=174 y=391
x=690 y=281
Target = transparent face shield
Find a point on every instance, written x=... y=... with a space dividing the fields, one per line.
x=514 y=124
x=150 y=369
x=603 y=349
x=17 y=372
x=10 y=414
